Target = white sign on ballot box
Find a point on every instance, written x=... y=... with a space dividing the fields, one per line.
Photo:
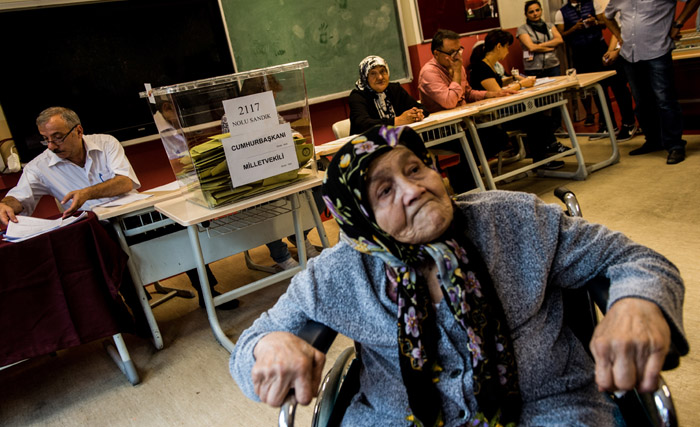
x=259 y=147
x=260 y=154
x=246 y=113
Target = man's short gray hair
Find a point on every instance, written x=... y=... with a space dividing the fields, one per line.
x=70 y=117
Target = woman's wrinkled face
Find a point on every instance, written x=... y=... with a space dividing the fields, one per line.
x=534 y=12
x=378 y=78
x=408 y=198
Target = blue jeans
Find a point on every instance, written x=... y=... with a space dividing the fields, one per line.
x=658 y=110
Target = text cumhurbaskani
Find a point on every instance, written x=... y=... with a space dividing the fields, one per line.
x=258 y=141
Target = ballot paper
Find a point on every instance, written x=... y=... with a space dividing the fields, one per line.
x=543 y=80
x=123 y=200
x=27 y=227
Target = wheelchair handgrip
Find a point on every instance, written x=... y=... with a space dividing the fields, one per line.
x=569 y=199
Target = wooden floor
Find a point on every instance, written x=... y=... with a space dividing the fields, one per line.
x=188 y=384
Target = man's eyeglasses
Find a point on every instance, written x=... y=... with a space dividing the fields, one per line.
x=58 y=141
x=452 y=54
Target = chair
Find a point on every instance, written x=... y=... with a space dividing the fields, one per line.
x=341 y=129
x=342 y=381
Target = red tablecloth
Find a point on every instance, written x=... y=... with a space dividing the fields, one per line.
x=61 y=289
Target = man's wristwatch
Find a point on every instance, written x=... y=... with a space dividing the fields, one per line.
x=677 y=24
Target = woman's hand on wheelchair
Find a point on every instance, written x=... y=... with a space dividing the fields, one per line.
x=629 y=346
x=283 y=362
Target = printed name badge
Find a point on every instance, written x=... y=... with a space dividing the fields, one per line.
x=247 y=113
x=260 y=154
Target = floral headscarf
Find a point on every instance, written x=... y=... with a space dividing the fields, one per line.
x=465 y=281
x=384 y=107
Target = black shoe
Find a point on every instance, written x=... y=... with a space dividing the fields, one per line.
x=234 y=303
x=553 y=165
x=626 y=133
x=590 y=120
x=558 y=147
x=645 y=149
x=675 y=156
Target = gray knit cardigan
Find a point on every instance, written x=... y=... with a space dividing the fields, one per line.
x=532 y=250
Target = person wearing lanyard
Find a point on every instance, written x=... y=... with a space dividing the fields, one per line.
x=539 y=40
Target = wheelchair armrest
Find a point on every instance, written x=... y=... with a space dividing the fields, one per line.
x=318 y=335
x=598 y=289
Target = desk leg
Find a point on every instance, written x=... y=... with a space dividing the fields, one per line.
x=615 y=155
x=122 y=358
x=317 y=219
x=139 y=285
x=581 y=172
x=482 y=158
x=298 y=229
x=206 y=290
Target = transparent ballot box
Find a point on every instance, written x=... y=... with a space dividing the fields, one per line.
x=232 y=137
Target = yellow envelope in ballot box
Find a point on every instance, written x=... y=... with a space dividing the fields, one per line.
x=209 y=162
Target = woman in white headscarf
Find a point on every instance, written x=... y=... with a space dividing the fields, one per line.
x=375 y=101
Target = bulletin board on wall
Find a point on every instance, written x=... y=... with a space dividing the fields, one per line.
x=332 y=35
x=460 y=16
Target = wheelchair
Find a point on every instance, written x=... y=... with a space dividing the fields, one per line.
x=341 y=383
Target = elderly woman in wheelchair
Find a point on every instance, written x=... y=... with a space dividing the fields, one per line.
x=457 y=305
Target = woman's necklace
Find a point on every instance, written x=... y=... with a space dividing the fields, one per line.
x=490 y=62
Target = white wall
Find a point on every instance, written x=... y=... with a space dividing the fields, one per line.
x=512 y=15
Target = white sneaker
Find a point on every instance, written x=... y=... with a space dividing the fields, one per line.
x=310 y=249
x=286 y=265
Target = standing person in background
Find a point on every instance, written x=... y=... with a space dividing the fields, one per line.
x=376 y=101
x=646 y=38
x=539 y=40
x=578 y=22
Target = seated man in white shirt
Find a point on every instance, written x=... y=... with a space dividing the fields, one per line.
x=81 y=171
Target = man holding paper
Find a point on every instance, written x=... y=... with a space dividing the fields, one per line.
x=81 y=171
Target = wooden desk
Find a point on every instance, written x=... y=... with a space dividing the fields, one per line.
x=218 y=233
x=537 y=99
x=61 y=289
x=688 y=46
x=686 y=54
x=446 y=126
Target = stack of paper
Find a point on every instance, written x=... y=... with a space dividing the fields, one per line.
x=27 y=227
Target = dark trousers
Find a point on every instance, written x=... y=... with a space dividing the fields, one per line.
x=658 y=110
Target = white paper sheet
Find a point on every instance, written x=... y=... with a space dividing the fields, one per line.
x=128 y=198
x=27 y=227
x=172 y=186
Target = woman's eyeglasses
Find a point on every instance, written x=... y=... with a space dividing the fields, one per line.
x=57 y=141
